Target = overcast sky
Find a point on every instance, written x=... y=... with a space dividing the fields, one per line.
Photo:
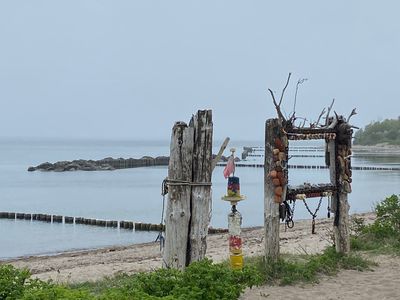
x=128 y=69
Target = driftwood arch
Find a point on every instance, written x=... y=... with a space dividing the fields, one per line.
x=337 y=133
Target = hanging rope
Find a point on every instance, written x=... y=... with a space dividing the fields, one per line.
x=175 y=182
x=313 y=214
x=286 y=213
x=290 y=214
x=166 y=183
x=329 y=206
x=160 y=237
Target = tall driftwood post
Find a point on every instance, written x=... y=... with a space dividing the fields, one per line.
x=343 y=177
x=189 y=191
x=201 y=191
x=178 y=207
x=271 y=205
x=331 y=163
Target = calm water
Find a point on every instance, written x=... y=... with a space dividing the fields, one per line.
x=134 y=194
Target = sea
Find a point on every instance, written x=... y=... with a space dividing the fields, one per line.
x=135 y=194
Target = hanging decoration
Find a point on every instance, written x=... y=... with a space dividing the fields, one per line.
x=234 y=217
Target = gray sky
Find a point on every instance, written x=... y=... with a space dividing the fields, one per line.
x=128 y=69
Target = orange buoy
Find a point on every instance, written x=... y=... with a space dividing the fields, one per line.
x=278 y=191
x=276 y=182
x=273 y=174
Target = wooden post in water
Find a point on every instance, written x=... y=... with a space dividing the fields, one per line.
x=200 y=202
x=177 y=215
x=273 y=136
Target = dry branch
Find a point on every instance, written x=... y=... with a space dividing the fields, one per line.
x=320 y=116
x=329 y=111
x=284 y=89
x=278 y=105
x=353 y=112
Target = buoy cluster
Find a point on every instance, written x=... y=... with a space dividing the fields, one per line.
x=277 y=174
x=344 y=165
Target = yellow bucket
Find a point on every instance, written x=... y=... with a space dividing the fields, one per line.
x=236 y=261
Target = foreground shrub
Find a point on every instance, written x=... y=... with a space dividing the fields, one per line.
x=12 y=282
x=307 y=268
x=200 y=280
x=56 y=292
x=384 y=233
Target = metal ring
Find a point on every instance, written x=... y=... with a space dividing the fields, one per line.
x=290 y=223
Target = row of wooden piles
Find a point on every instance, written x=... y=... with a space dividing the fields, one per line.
x=357 y=168
x=130 y=225
x=82 y=221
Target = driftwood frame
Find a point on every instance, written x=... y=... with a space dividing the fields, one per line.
x=337 y=133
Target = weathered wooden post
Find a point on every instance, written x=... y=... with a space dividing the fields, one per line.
x=341 y=156
x=273 y=194
x=178 y=207
x=189 y=191
x=200 y=201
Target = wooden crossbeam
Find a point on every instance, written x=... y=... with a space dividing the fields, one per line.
x=308 y=130
x=309 y=190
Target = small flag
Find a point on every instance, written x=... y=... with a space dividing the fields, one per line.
x=230 y=167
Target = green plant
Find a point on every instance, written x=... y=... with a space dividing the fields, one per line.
x=306 y=268
x=200 y=280
x=12 y=282
x=384 y=233
x=56 y=292
x=388 y=213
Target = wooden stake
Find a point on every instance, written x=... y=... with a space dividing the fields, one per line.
x=342 y=237
x=219 y=155
x=178 y=206
x=271 y=208
x=340 y=205
x=201 y=191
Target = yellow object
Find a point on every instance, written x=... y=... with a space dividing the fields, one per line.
x=236 y=261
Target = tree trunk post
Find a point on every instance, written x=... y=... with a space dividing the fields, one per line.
x=273 y=136
x=178 y=207
x=331 y=163
x=201 y=191
x=343 y=175
x=340 y=174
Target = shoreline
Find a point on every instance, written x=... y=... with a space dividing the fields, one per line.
x=377 y=149
x=92 y=265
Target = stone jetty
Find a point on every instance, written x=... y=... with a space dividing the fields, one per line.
x=106 y=164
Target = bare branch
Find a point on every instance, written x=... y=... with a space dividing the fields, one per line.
x=329 y=110
x=300 y=81
x=277 y=106
x=320 y=116
x=336 y=115
x=334 y=122
x=283 y=91
x=273 y=97
x=353 y=112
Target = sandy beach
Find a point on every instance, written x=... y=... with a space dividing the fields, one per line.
x=95 y=264
x=92 y=265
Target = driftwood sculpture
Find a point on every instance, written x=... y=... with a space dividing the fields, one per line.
x=337 y=133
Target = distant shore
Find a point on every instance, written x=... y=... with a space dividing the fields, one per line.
x=380 y=148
